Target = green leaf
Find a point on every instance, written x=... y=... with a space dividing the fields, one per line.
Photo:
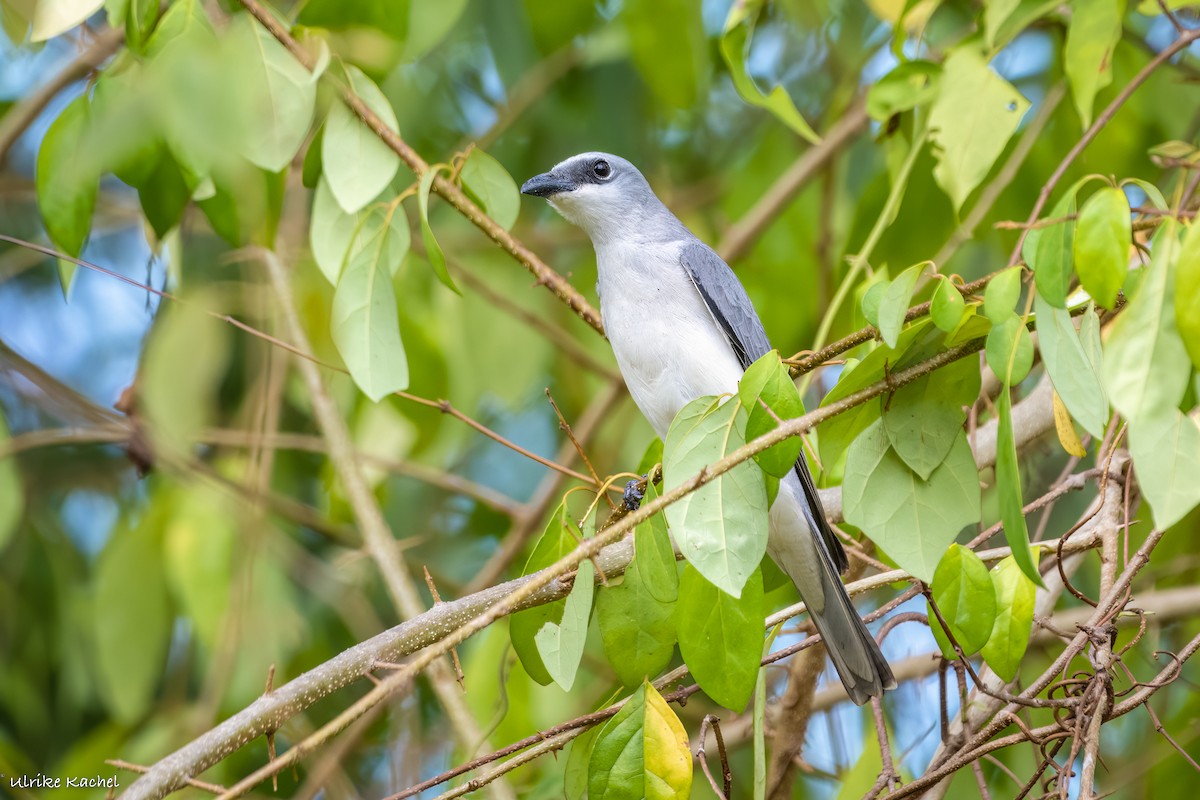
x=66 y=180
x=428 y=24
x=365 y=324
x=907 y=86
x=1053 y=251
x=720 y=636
x=433 y=250
x=131 y=617
x=1102 y=245
x=913 y=520
x=1008 y=487
x=974 y=115
x=555 y=542
x=669 y=48
x=139 y=22
x=357 y=163
x=1009 y=350
x=575 y=773
x=735 y=44
x=201 y=552
x=768 y=383
x=1093 y=33
x=561 y=644
x=163 y=194
x=384 y=233
x=636 y=616
x=310 y=171
x=896 y=299
x=947 y=307
x=925 y=418
x=642 y=753
x=1146 y=365
x=1187 y=293
x=1015 y=595
x=283 y=96
x=721 y=528
x=871 y=298
x=1074 y=377
x=52 y=18
x=330 y=232
x=964 y=594
x=490 y=186
x=181 y=373
x=995 y=13
x=1166 y=452
x=1002 y=294
x=12 y=494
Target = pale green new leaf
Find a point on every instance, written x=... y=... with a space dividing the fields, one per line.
x=1104 y=236
x=768 y=383
x=1071 y=371
x=356 y=162
x=720 y=636
x=1015 y=595
x=561 y=644
x=1001 y=295
x=642 y=753
x=1146 y=365
x=330 y=232
x=1187 y=293
x=433 y=250
x=488 y=183
x=365 y=324
x=1009 y=350
x=975 y=114
x=554 y=543
x=995 y=13
x=911 y=519
x=636 y=616
x=1092 y=35
x=735 y=43
x=894 y=303
x=924 y=419
x=384 y=233
x=947 y=307
x=131 y=616
x=1166 y=454
x=1008 y=487
x=966 y=598
x=1050 y=252
x=721 y=528
x=284 y=94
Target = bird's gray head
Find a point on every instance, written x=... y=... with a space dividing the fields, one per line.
x=601 y=193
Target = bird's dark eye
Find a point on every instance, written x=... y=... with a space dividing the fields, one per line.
x=601 y=169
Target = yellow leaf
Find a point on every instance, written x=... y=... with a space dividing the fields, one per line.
x=1067 y=436
x=665 y=746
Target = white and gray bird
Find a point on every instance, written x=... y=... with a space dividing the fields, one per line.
x=682 y=327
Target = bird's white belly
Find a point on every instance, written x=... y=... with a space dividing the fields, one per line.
x=668 y=347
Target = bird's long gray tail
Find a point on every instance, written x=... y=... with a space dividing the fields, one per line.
x=795 y=548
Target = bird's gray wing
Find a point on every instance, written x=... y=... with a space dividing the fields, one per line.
x=730 y=306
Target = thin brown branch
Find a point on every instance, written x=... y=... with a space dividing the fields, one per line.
x=711 y=721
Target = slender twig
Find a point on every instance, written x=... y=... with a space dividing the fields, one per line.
x=565 y=427
x=711 y=720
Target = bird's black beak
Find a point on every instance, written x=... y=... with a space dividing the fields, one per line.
x=546 y=185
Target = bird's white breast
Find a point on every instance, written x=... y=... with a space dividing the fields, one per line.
x=669 y=348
